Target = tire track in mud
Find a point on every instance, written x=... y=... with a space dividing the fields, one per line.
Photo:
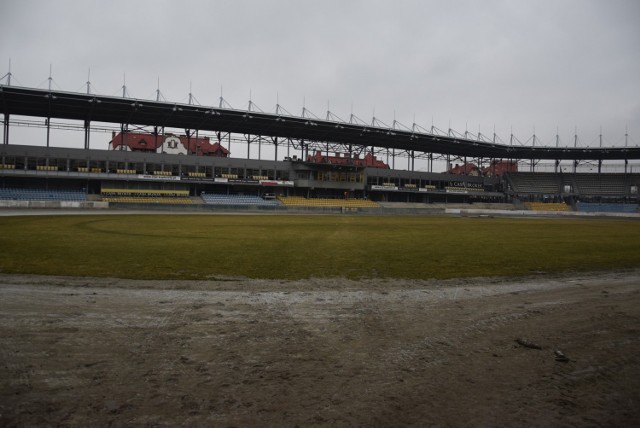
x=327 y=356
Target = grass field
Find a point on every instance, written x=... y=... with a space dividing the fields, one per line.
x=295 y=247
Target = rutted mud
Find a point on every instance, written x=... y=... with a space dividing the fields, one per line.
x=234 y=352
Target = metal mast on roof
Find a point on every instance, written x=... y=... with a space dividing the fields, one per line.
x=191 y=96
x=626 y=135
x=155 y=128
x=48 y=120
x=5 y=123
x=253 y=106
x=600 y=136
x=308 y=114
x=8 y=75
x=124 y=127
x=355 y=119
x=50 y=78
x=224 y=103
x=158 y=90
x=280 y=109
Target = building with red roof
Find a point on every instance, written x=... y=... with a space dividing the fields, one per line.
x=465 y=169
x=369 y=160
x=166 y=143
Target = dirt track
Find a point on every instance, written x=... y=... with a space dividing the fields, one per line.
x=95 y=352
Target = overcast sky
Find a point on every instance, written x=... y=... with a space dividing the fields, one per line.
x=539 y=64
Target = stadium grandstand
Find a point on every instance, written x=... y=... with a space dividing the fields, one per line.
x=179 y=156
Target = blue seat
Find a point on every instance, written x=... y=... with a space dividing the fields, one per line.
x=29 y=194
x=606 y=207
x=222 y=199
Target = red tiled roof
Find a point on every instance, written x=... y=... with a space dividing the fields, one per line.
x=466 y=168
x=368 y=160
x=138 y=141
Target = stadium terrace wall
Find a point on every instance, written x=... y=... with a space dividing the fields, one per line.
x=92 y=170
x=573 y=187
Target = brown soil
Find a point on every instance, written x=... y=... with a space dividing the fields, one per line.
x=96 y=352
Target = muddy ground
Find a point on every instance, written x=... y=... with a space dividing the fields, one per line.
x=107 y=352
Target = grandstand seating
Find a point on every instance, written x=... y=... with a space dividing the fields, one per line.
x=146 y=196
x=534 y=183
x=86 y=169
x=607 y=207
x=33 y=194
x=147 y=200
x=547 y=206
x=463 y=189
x=111 y=192
x=299 y=201
x=223 y=199
x=600 y=185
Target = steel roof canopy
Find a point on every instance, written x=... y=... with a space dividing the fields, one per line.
x=89 y=107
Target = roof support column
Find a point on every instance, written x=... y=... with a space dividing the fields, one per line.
x=47 y=121
x=124 y=128
x=327 y=149
x=155 y=139
x=5 y=129
x=275 y=143
x=87 y=134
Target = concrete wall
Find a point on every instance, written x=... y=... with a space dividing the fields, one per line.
x=54 y=204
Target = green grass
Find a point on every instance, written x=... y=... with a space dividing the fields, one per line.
x=293 y=247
